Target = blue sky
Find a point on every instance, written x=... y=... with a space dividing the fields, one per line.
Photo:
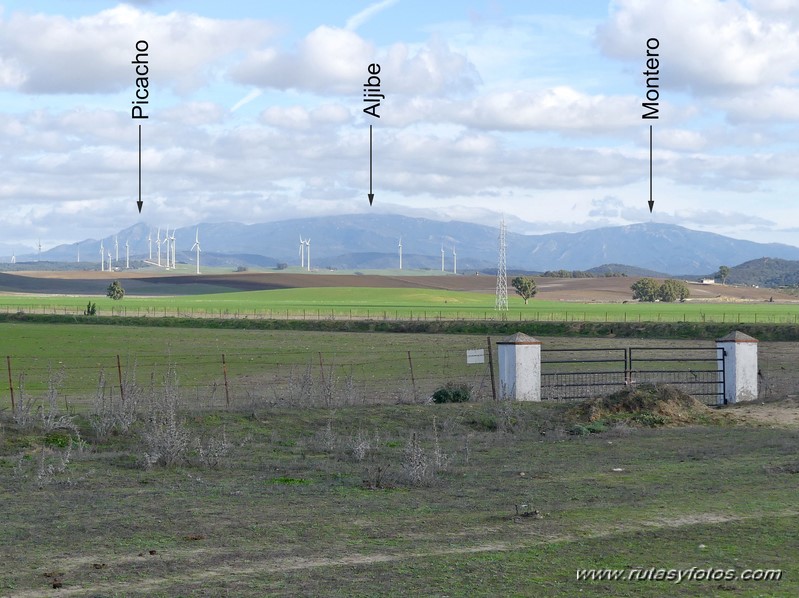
x=529 y=109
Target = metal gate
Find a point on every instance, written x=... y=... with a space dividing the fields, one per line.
x=697 y=371
x=582 y=373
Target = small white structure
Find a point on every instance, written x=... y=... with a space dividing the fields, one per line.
x=519 y=368
x=740 y=367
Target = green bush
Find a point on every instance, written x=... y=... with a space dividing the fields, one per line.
x=452 y=393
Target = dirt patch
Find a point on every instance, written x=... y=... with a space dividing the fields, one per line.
x=778 y=414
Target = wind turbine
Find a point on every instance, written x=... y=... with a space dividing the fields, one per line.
x=166 y=239
x=102 y=257
x=454 y=261
x=308 y=251
x=150 y=245
x=14 y=258
x=109 y=260
x=127 y=255
x=158 y=244
x=400 y=252
x=174 y=260
x=302 y=253
x=79 y=254
x=116 y=249
x=196 y=247
x=39 y=256
x=442 y=257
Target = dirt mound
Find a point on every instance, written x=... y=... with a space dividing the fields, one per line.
x=645 y=404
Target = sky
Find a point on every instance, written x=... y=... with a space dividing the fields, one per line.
x=528 y=109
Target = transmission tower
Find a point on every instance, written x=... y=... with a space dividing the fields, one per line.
x=502 y=271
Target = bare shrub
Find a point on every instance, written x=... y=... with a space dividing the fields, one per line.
x=212 y=451
x=109 y=413
x=49 y=466
x=362 y=444
x=24 y=411
x=417 y=468
x=326 y=439
x=164 y=435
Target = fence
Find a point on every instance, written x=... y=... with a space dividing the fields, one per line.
x=781 y=314
x=276 y=377
x=372 y=373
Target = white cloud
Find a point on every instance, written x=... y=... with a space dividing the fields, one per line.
x=775 y=105
x=559 y=108
x=333 y=60
x=707 y=46
x=92 y=54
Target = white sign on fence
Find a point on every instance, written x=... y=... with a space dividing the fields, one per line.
x=475 y=356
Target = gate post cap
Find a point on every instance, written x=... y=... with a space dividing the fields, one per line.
x=736 y=337
x=518 y=339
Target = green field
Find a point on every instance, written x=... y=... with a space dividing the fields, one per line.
x=400 y=304
x=318 y=502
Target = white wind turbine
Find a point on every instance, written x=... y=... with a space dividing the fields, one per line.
x=102 y=257
x=127 y=255
x=14 y=257
x=39 y=257
x=454 y=261
x=150 y=245
x=166 y=240
x=158 y=244
x=308 y=252
x=79 y=254
x=302 y=253
x=116 y=249
x=174 y=258
x=196 y=247
x=442 y=257
x=109 y=260
x=400 y=252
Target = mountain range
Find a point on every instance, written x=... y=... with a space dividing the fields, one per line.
x=364 y=241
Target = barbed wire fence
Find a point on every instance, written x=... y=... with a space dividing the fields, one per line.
x=254 y=378
x=790 y=315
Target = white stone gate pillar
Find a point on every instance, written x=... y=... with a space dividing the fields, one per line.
x=740 y=368
x=519 y=368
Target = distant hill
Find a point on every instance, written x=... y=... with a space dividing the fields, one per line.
x=632 y=271
x=766 y=272
x=366 y=241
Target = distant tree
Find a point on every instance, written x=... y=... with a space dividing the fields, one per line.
x=282 y=266
x=115 y=291
x=525 y=287
x=673 y=290
x=645 y=289
x=724 y=272
x=241 y=268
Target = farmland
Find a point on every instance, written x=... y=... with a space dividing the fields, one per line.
x=400 y=304
x=308 y=488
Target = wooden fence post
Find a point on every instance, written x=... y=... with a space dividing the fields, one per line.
x=491 y=369
x=413 y=378
x=121 y=386
x=224 y=373
x=11 y=384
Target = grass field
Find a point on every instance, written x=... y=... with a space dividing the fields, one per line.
x=316 y=502
x=404 y=304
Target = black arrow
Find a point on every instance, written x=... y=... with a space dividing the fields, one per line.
x=371 y=195
x=140 y=203
x=651 y=201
